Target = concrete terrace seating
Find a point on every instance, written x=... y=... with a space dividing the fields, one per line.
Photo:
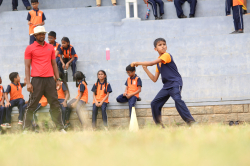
x=214 y=64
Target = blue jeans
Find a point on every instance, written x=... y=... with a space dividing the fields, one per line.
x=104 y=115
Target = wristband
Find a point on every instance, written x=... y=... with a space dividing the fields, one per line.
x=59 y=79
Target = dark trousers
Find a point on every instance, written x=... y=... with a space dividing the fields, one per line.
x=58 y=61
x=34 y=113
x=43 y=86
x=228 y=6
x=1 y=1
x=179 y=3
x=131 y=101
x=19 y=103
x=162 y=97
x=15 y=3
x=104 y=115
x=64 y=110
x=73 y=65
x=78 y=109
x=154 y=6
x=32 y=39
x=2 y=114
x=238 y=17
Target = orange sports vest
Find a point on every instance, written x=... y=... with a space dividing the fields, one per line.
x=35 y=19
x=16 y=91
x=1 y=92
x=43 y=101
x=101 y=93
x=85 y=93
x=132 y=87
x=67 y=53
x=55 y=48
x=238 y=2
x=60 y=93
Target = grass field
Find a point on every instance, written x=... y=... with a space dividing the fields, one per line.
x=205 y=145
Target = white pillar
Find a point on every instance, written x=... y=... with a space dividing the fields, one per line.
x=128 y=10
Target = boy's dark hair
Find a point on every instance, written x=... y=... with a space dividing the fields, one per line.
x=61 y=75
x=129 y=68
x=34 y=1
x=158 y=40
x=66 y=39
x=52 y=33
x=80 y=76
x=105 y=82
x=12 y=76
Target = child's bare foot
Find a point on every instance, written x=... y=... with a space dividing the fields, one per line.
x=98 y=5
x=114 y=4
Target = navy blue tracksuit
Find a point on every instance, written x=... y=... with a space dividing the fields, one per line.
x=154 y=3
x=131 y=101
x=228 y=6
x=172 y=87
x=238 y=17
x=179 y=3
x=2 y=114
x=15 y=3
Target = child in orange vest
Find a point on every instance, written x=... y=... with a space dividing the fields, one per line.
x=35 y=18
x=238 y=16
x=63 y=96
x=80 y=100
x=2 y=108
x=101 y=90
x=16 y=99
x=52 y=40
x=133 y=88
x=68 y=56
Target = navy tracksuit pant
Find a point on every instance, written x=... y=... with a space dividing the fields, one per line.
x=179 y=3
x=19 y=103
x=229 y=4
x=238 y=17
x=15 y=3
x=73 y=64
x=32 y=39
x=104 y=115
x=64 y=110
x=154 y=3
x=131 y=101
x=162 y=97
x=2 y=114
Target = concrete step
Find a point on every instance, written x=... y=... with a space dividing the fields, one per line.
x=106 y=32
x=91 y=15
x=59 y=4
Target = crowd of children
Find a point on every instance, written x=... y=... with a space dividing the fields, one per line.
x=65 y=56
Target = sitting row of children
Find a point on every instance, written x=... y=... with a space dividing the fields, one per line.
x=100 y=89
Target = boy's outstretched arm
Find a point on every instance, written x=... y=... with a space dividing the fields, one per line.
x=149 y=63
x=155 y=77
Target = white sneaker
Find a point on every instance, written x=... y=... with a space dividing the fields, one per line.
x=20 y=122
x=6 y=125
x=63 y=131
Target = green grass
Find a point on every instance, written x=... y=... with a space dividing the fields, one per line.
x=205 y=145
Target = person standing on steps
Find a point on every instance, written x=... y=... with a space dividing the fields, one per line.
x=40 y=58
x=179 y=11
x=154 y=7
x=25 y=2
x=238 y=16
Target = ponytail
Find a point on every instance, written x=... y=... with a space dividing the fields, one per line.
x=80 y=76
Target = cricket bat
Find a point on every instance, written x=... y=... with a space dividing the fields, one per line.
x=133 y=126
